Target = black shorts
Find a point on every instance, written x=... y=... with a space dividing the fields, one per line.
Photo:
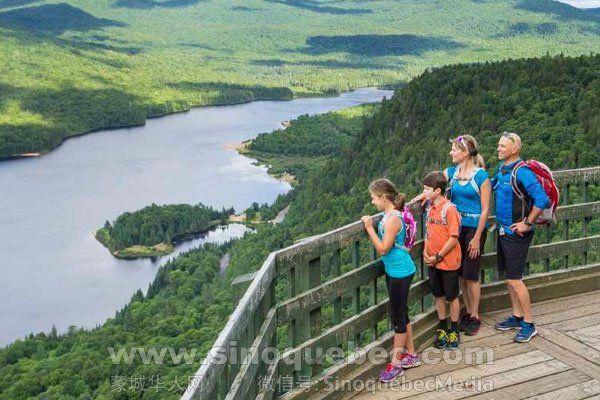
x=470 y=268
x=443 y=283
x=512 y=254
x=398 y=291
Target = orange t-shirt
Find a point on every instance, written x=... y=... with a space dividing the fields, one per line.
x=438 y=234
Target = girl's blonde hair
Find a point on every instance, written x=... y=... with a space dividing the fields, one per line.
x=384 y=187
x=469 y=144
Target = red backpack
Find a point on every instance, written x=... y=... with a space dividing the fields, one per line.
x=544 y=176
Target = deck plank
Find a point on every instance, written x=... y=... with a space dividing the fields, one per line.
x=465 y=373
x=508 y=378
x=575 y=324
x=535 y=387
x=557 y=304
x=574 y=392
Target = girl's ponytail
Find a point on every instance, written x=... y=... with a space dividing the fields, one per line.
x=399 y=201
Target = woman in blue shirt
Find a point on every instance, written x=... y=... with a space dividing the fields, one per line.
x=470 y=190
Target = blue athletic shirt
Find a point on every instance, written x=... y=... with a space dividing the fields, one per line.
x=397 y=261
x=508 y=206
x=466 y=199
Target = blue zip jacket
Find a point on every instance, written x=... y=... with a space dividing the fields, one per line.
x=509 y=208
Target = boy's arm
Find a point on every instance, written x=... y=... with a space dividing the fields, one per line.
x=449 y=245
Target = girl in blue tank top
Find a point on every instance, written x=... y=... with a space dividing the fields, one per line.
x=399 y=271
x=397 y=261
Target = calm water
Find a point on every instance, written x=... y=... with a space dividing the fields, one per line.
x=54 y=271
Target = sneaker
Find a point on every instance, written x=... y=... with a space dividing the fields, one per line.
x=390 y=372
x=473 y=326
x=526 y=332
x=453 y=340
x=409 y=361
x=463 y=323
x=441 y=339
x=509 y=323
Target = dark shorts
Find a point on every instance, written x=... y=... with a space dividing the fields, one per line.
x=512 y=254
x=398 y=292
x=443 y=283
x=470 y=268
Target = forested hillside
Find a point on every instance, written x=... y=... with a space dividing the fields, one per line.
x=310 y=141
x=75 y=66
x=551 y=102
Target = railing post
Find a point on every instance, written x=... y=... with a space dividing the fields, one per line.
x=356 y=295
x=586 y=220
x=421 y=232
x=566 y=232
x=314 y=279
x=547 y=260
x=336 y=271
x=291 y=276
x=373 y=296
x=302 y=321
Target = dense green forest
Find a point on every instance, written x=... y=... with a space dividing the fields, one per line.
x=75 y=66
x=551 y=102
x=135 y=234
x=309 y=141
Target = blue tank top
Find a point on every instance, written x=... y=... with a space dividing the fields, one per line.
x=466 y=199
x=397 y=261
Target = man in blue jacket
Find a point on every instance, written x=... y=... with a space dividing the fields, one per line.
x=514 y=218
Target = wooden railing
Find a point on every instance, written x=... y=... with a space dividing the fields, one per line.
x=328 y=292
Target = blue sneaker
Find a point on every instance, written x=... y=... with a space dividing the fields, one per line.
x=526 y=333
x=509 y=323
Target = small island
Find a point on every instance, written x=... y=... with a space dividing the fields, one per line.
x=153 y=230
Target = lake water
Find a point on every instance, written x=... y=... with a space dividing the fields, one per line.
x=54 y=271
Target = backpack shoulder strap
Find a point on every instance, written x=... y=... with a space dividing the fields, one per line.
x=445 y=212
x=473 y=182
x=454 y=176
x=398 y=214
x=513 y=180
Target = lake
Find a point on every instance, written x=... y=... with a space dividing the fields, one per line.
x=53 y=270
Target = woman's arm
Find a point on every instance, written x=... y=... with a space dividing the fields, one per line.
x=486 y=194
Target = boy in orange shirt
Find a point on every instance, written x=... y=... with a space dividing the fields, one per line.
x=442 y=254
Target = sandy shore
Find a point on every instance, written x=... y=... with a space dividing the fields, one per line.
x=240 y=147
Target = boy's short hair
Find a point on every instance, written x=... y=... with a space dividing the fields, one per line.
x=435 y=180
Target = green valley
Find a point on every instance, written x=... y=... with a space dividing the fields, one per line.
x=76 y=66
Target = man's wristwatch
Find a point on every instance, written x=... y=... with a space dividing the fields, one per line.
x=526 y=222
x=438 y=258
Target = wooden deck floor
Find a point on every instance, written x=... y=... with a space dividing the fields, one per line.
x=561 y=362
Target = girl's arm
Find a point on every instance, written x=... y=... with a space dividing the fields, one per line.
x=486 y=194
x=392 y=227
